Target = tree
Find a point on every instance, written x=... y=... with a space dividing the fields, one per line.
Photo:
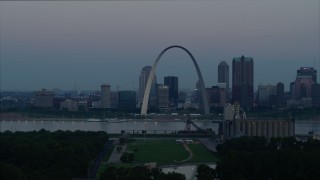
x=48 y=155
x=204 y=172
x=171 y=176
x=281 y=158
x=124 y=138
x=119 y=148
x=8 y=172
x=127 y=157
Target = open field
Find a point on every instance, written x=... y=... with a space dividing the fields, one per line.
x=201 y=154
x=167 y=151
x=163 y=151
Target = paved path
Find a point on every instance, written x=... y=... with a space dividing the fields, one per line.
x=115 y=155
x=190 y=153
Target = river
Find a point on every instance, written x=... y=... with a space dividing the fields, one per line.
x=301 y=127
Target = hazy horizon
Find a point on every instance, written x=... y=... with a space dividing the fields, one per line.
x=57 y=44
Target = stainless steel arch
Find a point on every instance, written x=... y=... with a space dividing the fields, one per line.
x=151 y=76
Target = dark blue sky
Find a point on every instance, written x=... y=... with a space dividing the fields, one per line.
x=56 y=44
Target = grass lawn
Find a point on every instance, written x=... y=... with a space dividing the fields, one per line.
x=201 y=154
x=163 y=151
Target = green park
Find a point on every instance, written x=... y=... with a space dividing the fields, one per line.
x=168 y=151
x=68 y=155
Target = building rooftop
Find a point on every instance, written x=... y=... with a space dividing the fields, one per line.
x=243 y=57
x=105 y=84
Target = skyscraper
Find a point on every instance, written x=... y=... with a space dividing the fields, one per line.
x=172 y=83
x=265 y=95
x=242 y=80
x=105 y=96
x=126 y=99
x=280 y=95
x=163 y=97
x=301 y=87
x=315 y=91
x=143 y=79
x=307 y=72
x=223 y=75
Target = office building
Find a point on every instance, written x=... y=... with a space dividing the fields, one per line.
x=316 y=95
x=114 y=99
x=105 y=96
x=223 y=75
x=307 y=72
x=281 y=100
x=301 y=87
x=163 y=97
x=68 y=105
x=266 y=94
x=242 y=81
x=315 y=92
x=172 y=83
x=216 y=96
x=43 y=98
x=143 y=79
x=271 y=95
x=213 y=96
x=127 y=99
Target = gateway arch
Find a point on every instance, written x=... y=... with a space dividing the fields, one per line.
x=151 y=76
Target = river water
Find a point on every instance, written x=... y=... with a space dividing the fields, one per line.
x=301 y=127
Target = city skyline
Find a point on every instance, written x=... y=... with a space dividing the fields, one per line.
x=56 y=44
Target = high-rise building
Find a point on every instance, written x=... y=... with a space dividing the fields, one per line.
x=105 y=96
x=271 y=95
x=223 y=75
x=172 y=83
x=307 y=72
x=301 y=87
x=213 y=95
x=127 y=99
x=114 y=99
x=143 y=79
x=265 y=93
x=163 y=97
x=242 y=81
x=280 y=95
x=43 y=98
x=216 y=96
x=315 y=94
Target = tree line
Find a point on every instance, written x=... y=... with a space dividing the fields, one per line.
x=48 y=155
x=280 y=158
x=139 y=173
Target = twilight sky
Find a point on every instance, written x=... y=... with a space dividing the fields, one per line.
x=54 y=44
